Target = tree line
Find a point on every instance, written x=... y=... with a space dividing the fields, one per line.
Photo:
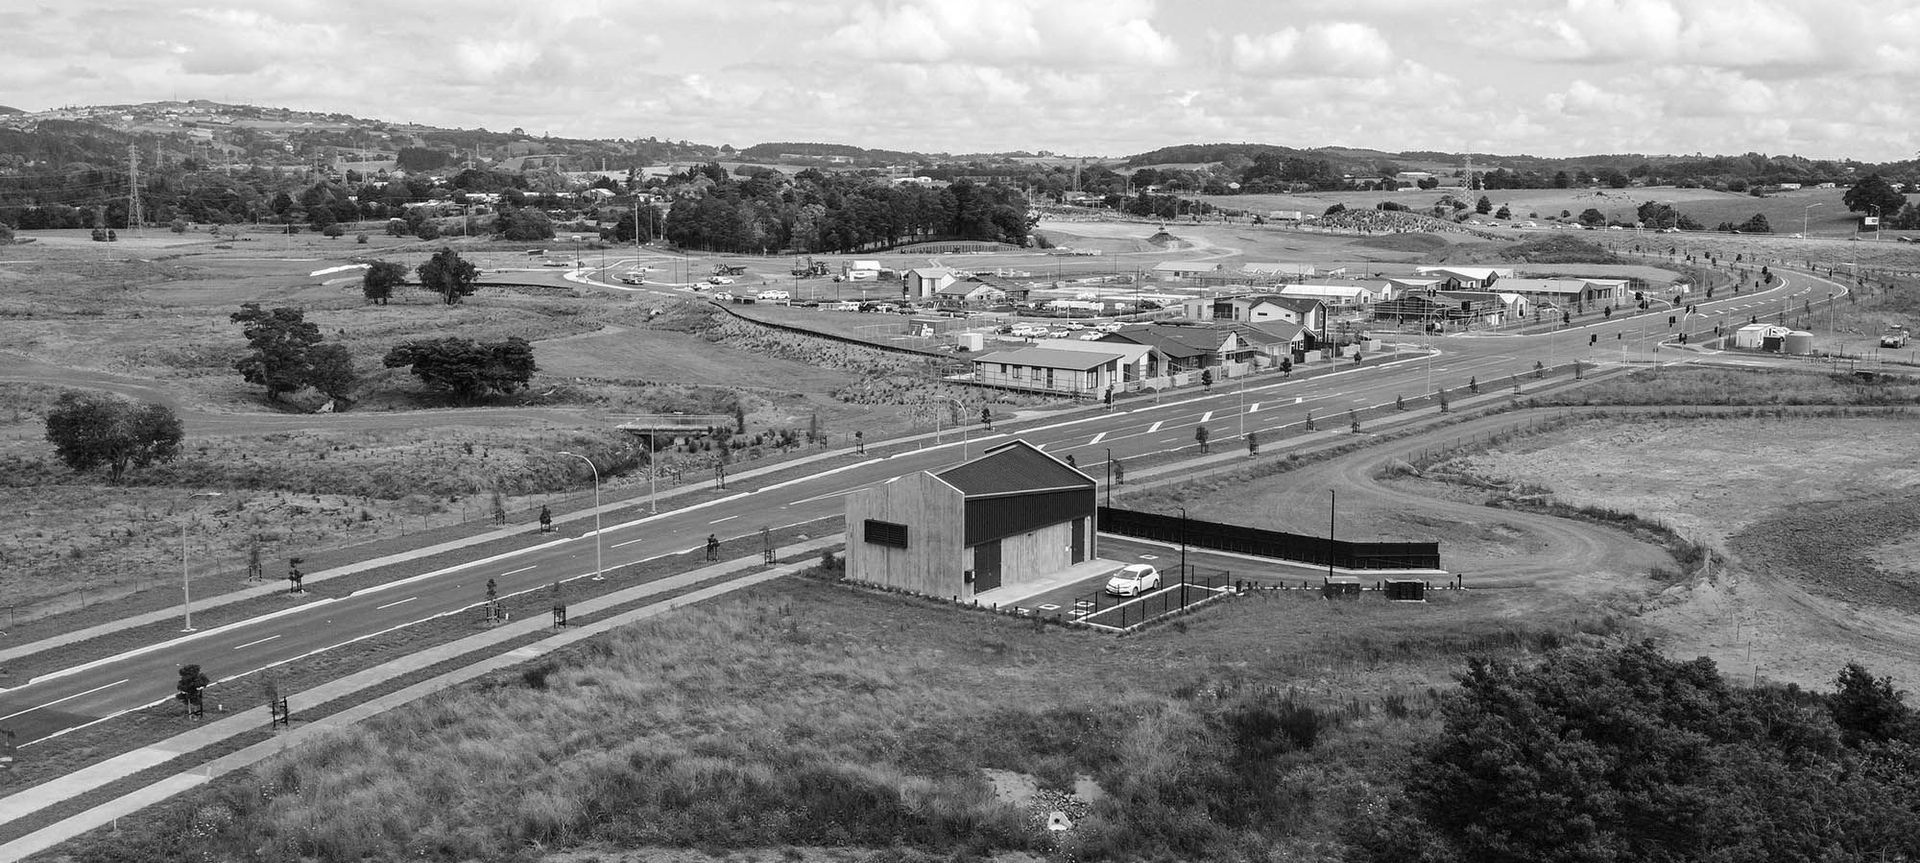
x=763 y=211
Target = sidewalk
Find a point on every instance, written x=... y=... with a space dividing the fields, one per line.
x=26 y=802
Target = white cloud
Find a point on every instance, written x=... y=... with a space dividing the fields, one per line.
x=1062 y=32
x=1335 y=48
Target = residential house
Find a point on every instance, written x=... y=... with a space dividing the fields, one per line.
x=1255 y=308
x=1186 y=269
x=1568 y=293
x=923 y=283
x=1185 y=348
x=1137 y=362
x=1278 y=271
x=970 y=293
x=1331 y=296
x=1457 y=278
x=1266 y=344
x=1078 y=373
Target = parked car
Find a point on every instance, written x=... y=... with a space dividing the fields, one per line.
x=1134 y=580
x=773 y=296
x=719 y=280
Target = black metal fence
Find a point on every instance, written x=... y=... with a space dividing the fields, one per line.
x=1269 y=543
x=1121 y=612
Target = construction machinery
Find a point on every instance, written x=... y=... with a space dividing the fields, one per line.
x=729 y=269
x=810 y=269
x=1894 y=337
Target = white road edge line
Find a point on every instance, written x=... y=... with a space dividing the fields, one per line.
x=63 y=698
x=388 y=605
x=265 y=640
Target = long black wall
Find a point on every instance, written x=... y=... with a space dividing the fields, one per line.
x=1270 y=543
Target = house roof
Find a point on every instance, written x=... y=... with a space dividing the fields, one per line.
x=1051 y=358
x=1274 y=269
x=1304 y=290
x=1129 y=354
x=1265 y=332
x=931 y=272
x=1542 y=286
x=1302 y=305
x=1414 y=283
x=1186 y=267
x=961 y=289
x=1178 y=342
x=1474 y=273
x=1015 y=467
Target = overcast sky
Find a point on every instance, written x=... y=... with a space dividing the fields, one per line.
x=1820 y=78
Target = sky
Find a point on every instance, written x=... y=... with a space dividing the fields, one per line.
x=1816 y=78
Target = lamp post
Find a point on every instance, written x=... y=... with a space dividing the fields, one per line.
x=598 y=567
x=1183 y=554
x=1109 y=477
x=1331 y=497
x=1804 y=213
x=186 y=584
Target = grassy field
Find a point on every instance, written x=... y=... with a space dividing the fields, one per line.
x=1825 y=214
x=852 y=720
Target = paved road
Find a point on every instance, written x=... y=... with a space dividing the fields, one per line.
x=1274 y=408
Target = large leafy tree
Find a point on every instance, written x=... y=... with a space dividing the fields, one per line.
x=1874 y=193
x=448 y=275
x=330 y=370
x=89 y=431
x=1625 y=755
x=380 y=279
x=465 y=369
x=282 y=342
x=523 y=223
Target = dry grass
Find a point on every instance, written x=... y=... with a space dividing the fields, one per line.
x=805 y=714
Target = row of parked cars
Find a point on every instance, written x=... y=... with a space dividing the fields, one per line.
x=1067 y=330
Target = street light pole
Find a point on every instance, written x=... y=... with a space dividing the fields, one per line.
x=186 y=584
x=1183 y=546
x=1331 y=497
x=598 y=566
x=1109 y=477
x=1804 y=213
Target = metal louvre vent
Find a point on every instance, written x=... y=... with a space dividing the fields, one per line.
x=885 y=533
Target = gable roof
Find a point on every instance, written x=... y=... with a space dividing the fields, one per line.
x=1015 y=467
x=961 y=289
x=1265 y=332
x=1479 y=274
x=1129 y=353
x=1178 y=342
x=1051 y=358
x=1302 y=305
x=1272 y=269
x=1186 y=267
x=1541 y=286
x=931 y=272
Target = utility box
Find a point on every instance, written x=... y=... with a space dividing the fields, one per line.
x=1406 y=590
x=1340 y=585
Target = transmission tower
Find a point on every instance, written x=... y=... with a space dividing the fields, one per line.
x=134 y=216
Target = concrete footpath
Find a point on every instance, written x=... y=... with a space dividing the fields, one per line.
x=31 y=800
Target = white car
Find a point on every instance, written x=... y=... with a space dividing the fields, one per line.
x=773 y=296
x=719 y=280
x=1134 y=580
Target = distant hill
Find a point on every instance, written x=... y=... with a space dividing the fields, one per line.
x=7 y=110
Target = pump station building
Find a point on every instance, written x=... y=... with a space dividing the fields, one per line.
x=1006 y=518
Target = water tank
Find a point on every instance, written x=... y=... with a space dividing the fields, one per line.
x=972 y=341
x=1798 y=343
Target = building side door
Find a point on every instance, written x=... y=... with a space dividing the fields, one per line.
x=986 y=566
x=1080 y=540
